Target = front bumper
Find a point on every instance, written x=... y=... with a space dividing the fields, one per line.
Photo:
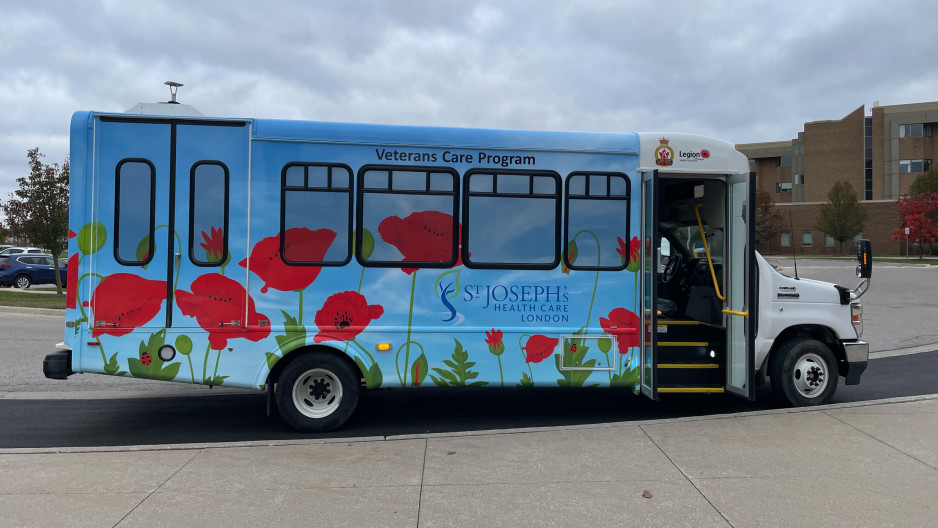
x=858 y=356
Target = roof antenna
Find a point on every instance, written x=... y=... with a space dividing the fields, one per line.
x=794 y=258
x=173 y=86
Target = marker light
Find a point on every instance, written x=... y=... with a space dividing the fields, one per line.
x=383 y=347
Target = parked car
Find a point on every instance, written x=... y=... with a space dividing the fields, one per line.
x=25 y=269
x=14 y=250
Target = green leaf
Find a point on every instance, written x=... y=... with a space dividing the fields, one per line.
x=143 y=248
x=368 y=244
x=458 y=373
x=293 y=332
x=373 y=376
x=526 y=381
x=418 y=370
x=214 y=381
x=112 y=366
x=91 y=238
x=272 y=360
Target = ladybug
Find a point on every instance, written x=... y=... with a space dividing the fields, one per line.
x=146 y=359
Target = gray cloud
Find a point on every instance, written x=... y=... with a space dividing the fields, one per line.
x=743 y=71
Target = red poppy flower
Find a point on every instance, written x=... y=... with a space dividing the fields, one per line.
x=425 y=236
x=214 y=244
x=344 y=315
x=72 y=234
x=71 y=281
x=494 y=340
x=215 y=301
x=539 y=347
x=624 y=325
x=301 y=245
x=124 y=301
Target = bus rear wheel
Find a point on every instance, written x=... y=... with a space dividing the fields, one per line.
x=317 y=392
x=804 y=373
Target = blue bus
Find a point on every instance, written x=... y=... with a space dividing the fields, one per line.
x=315 y=260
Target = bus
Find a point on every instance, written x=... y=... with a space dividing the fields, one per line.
x=315 y=260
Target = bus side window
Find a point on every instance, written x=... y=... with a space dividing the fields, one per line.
x=316 y=214
x=406 y=217
x=597 y=221
x=134 y=211
x=512 y=219
x=208 y=213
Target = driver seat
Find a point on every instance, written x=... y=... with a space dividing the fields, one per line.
x=666 y=307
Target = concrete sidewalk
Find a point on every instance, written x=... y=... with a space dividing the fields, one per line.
x=859 y=464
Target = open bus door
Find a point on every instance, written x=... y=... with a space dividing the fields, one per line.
x=649 y=270
x=694 y=351
x=740 y=312
x=163 y=201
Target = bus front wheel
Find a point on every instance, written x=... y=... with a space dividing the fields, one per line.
x=804 y=373
x=317 y=392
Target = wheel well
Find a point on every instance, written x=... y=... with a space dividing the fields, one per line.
x=274 y=375
x=820 y=333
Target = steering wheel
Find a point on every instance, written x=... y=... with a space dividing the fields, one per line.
x=670 y=269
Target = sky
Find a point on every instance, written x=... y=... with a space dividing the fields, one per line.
x=744 y=71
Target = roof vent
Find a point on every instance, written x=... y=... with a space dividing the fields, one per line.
x=171 y=107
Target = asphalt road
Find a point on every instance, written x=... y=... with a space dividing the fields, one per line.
x=900 y=310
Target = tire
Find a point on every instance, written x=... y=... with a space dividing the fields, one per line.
x=804 y=373
x=22 y=281
x=317 y=392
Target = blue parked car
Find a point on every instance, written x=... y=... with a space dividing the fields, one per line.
x=26 y=269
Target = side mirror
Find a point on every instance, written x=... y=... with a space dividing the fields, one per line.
x=864 y=259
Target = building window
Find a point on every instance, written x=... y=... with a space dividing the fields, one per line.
x=807 y=238
x=915 y=130
x=798 y=179
x=829 y=241
x=785 y=239
x=784 y=161
x=752 y=164
x=783 y=187
x=909 y=166
x=868 y=158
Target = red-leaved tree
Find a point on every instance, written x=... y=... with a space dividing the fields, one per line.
x=915 y=212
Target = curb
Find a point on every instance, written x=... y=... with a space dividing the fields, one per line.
x=494 y=432
x=21 y=310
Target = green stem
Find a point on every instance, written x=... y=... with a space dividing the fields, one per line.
x=410 y=320
x=300 y=320
x=500 y=375
x=191 y=370
x=359 y=290
x=589 y=314
x=360 y=347
x=208 y=349
x=101 y=348
x=217 y=361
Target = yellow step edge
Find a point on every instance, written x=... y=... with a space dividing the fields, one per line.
x=675 y=323
x=683 y=343
x=688 y=365
x=699 y=390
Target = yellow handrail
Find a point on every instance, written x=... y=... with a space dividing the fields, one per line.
x=713 y=274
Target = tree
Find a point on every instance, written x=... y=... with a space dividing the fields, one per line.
x=841 y=217
x=767 y=218
x=914 y=213
x=38 y=210
x=927 y=182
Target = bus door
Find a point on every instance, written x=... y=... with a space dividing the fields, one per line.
x=649 y=271
x=741 y=292
x=167 y=213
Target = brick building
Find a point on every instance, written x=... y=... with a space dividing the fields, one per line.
x=879 y=154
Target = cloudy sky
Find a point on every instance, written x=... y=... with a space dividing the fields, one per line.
x=743 y=71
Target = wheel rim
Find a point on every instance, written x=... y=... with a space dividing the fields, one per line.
x=810 y=375
x=317 y=393
x=22 y=282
